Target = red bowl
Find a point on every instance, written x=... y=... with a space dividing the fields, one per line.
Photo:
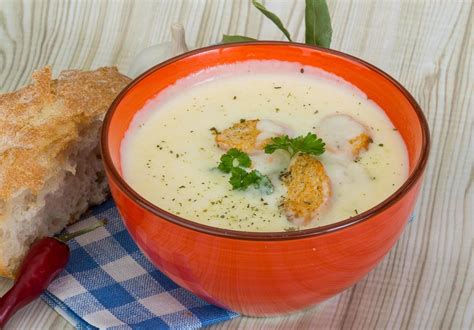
x=263 y=274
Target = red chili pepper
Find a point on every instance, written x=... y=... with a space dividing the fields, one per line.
x=46 y=258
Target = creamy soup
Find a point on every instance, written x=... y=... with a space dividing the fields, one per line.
x=169 y=154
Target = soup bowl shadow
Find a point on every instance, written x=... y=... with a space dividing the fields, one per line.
x=264 y=274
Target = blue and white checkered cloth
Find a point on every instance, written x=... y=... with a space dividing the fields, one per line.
x=109 y=283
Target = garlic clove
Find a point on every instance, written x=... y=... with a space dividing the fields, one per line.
x=178 y=39
x=156 y=54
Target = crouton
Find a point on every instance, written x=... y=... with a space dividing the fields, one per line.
x=360 y=143
x=250 y=136
x=242 y=136
x=344 y=135
x=308 y=189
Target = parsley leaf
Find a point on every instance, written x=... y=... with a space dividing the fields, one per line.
x=235 y=162
x=309 y=144
x=265 y=185
x=241 y=180
x=234 y=158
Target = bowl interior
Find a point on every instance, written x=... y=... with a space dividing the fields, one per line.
x=397 y=103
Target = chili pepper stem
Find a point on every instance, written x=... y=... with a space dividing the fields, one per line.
x=68 y=236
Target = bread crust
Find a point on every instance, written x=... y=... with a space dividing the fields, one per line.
x=39 y=122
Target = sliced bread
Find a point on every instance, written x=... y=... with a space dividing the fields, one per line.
x=50 y=164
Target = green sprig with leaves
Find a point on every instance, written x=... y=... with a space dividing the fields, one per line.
x=236 y=162
x=317 y=24
x=309 y=144
x=234 y=158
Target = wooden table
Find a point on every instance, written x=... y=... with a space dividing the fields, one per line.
x=427 y=280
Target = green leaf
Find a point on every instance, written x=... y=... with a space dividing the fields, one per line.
x=233 y=158
x=318 y=23
x=235 y=162
x=237 y=178
x=265 y=184
x=242 y=180
x=252 y=178
x=274 y=18
x=309 y=144
x=279 y=142
x=228 y=38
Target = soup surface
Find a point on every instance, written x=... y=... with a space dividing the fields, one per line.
x=169 y=154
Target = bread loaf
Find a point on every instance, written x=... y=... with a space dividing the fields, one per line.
x=50 y=166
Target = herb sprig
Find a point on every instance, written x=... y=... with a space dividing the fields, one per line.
x=309 y=144
x=236 y=162
x=234 y=158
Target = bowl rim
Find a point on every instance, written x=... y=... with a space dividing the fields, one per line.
x=265 y=236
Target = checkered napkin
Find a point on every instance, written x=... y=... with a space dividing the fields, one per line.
x=109 y=283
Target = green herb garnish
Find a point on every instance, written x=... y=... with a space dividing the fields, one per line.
x=236 y=162
x=234 y=158
x=309 y=144
x=241 y=179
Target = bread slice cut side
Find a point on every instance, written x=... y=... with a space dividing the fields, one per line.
x=50 y=166
x=67 y=194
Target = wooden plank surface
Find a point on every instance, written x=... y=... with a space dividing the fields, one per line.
x=427 y=280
